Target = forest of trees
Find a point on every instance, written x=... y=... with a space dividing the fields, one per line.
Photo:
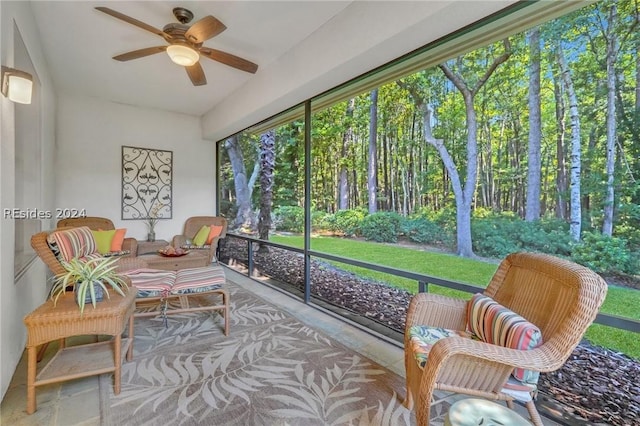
x=543 y=124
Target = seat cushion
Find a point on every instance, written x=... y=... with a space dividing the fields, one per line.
x=151 y=282
x=198 y=280
x=495 y=324
x=423 y=338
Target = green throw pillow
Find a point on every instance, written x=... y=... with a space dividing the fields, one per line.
x=201 y=236
x=103 y=240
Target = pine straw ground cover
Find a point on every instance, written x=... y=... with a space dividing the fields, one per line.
x=595 y=385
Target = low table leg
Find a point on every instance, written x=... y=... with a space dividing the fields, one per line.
x=32 y=355
x=130 y=350
x=116 y=353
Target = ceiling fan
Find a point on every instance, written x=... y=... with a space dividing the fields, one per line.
x=185 y=43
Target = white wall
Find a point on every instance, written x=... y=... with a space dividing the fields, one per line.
x=91 y=133
x=18 y=298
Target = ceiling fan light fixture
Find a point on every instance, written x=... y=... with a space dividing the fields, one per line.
x=182 y=55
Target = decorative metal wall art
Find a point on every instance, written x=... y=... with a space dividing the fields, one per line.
x=147 y=183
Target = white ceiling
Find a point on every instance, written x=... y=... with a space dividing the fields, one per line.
x=79 y=44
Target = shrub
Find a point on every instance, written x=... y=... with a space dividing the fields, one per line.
x=604 y=254
x=289 y=218
x=320 y=221
x=422 y=230
x=382 y=227
x=348 y=221
x=496 y=235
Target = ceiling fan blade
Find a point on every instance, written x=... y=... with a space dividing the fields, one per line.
x=135 y=54
x=134 y=21
x=204 y=29
x=196 y=74
x=229 y=59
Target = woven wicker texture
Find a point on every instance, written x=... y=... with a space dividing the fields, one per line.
x=96 y=223
x=191 y=227
x=560 y=297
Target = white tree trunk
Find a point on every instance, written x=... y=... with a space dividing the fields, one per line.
x=612 y=49
x=575 y=225
x=347 y=138
x=535 y=129
x=372 y=172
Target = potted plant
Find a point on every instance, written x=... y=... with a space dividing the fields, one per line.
x=89 y=279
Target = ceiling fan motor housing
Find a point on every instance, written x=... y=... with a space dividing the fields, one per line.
x=182 y=15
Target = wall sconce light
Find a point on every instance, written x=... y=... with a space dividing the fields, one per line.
x=17 y=85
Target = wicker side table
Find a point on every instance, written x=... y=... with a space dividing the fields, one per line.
x=48 y=323
x=146 y=247
x=193 y=259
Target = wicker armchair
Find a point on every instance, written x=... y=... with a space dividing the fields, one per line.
x=96 y=223
x=560 y=297
x=42 y=249
x=193 y=224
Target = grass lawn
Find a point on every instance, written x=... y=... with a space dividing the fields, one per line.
x=620 y=301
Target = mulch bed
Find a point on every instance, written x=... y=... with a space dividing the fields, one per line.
x=595 y=385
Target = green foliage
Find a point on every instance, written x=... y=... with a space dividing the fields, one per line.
x=382 y=227
x=320 y=221
x=604 y=254
x=289 y=218
x=422 y=230
x=348 y=221
x=82 y=275
x=496 y=235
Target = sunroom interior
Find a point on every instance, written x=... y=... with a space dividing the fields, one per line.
x=62 y=152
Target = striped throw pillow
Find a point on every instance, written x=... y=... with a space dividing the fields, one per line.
x=495 y=324
x=75 y=242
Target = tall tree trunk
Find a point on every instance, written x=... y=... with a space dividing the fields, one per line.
x=561 y=173
x=532 y=211
x=575 y=224
x=347 y=138
x=267 y=166
x=464 y=195
x=372 y=172
x=244 y=217
x=612 y=53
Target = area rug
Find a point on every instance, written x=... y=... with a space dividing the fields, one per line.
x=271 y=370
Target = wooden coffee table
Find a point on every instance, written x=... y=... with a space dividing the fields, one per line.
x=48 y=323
x=193 y=259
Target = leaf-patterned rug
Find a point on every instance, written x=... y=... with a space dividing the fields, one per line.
x=271 y=370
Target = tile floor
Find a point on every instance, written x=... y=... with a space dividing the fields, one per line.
x=77 y=402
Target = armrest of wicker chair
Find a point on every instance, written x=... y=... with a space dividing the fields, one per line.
x=130 y=244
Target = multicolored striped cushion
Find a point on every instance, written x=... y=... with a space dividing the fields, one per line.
x=495 y=324
x=75 y=242
x=198 y=280
x=151 y=282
